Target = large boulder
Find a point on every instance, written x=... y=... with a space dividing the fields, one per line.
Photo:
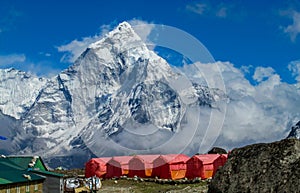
x=272 y=167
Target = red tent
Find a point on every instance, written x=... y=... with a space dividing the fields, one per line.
x=96 y=167
x=204 y=166
x=141 y=165
x=224 y=158
x=117 y=166
x=171 y=166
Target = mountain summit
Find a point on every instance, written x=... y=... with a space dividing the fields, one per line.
x=118 y=97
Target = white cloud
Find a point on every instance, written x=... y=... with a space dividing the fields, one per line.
x=262 y=73
x=255 y=113
x=6 y=60
x=142 y=28
x=246 y=69
x=198 y=8
x=45 y=54
x=294 y=67
x=294 y=29
x=75 y=48
x=216 y=9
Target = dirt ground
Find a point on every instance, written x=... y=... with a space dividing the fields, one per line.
x=130 y=186
x=126 y=185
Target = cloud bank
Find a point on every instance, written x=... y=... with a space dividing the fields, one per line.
x=255 y=113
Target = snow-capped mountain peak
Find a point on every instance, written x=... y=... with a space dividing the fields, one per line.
x=121 y=38
x=116 y=87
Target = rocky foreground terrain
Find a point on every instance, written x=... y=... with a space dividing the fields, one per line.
x=272 y=167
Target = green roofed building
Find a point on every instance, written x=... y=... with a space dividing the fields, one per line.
x=25 y=162
x=28 y=174
x=13 y=179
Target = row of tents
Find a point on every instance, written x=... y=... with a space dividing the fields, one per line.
x=170 y=166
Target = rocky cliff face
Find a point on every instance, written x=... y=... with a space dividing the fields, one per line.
x=273 y=167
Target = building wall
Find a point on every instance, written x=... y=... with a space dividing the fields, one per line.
x=53 y=185
x=34 y=187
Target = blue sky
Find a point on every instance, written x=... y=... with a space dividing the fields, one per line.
x=245 y=33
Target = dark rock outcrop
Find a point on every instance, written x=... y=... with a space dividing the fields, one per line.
x=295 y=131
x=269 y=168
x=217 y=150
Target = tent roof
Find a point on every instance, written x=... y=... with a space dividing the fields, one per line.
x=207 y=158
x=101 y=159
x=147 y=158
x=121 y=159
x=174 y=158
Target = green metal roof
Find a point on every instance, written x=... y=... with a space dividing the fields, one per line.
x=4 y=181
x=18 y=176
x=12 y=173
x=15 y=169
x=23 y=161
x=47 y=173
x=6 y=164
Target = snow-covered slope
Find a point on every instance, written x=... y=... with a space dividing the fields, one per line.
x=116 y=87
x=18 y=91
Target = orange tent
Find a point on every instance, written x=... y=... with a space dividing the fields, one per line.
x=117 y=166
x=171 y=166
x=141 y=165
x=204 y=166
x=96 y=167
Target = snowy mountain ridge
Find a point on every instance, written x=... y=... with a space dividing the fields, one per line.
x=24 y=88
x=115 y=88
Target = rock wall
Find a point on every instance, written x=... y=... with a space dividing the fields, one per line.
x=272 y=167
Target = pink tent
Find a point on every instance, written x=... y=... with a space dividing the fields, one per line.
x=224 y=158
x=171 y=166
x=141 y=165
x=117 y=166
x=204 y=166
x=96 y=167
